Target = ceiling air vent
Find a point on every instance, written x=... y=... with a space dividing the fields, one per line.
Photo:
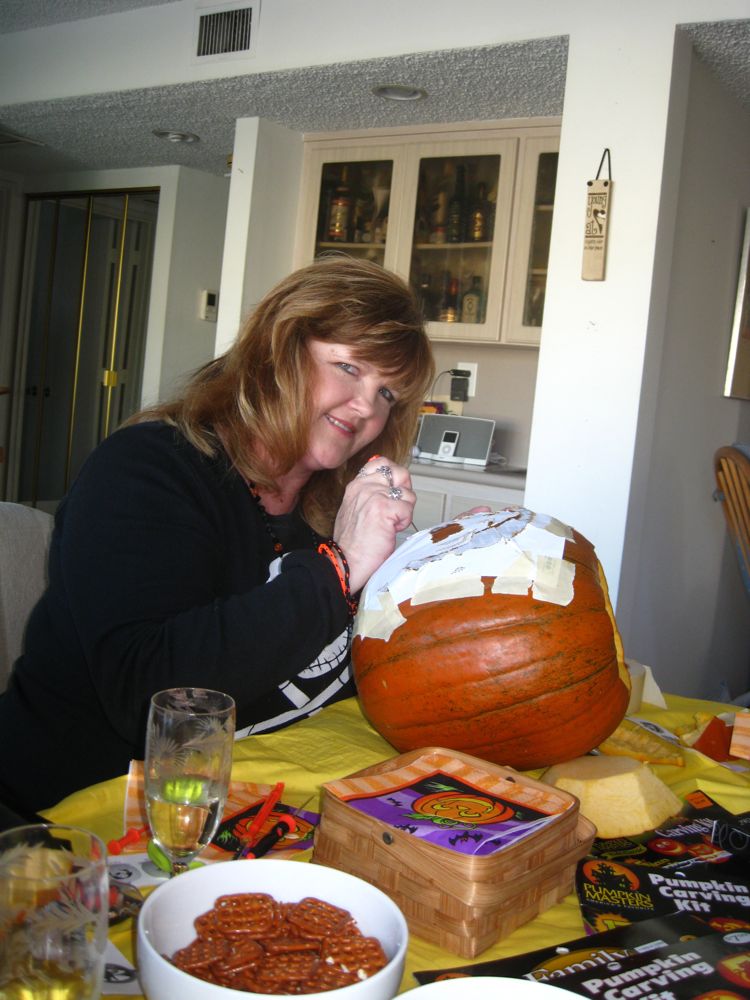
x=227 y=30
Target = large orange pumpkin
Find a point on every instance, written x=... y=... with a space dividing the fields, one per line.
x=492 y=634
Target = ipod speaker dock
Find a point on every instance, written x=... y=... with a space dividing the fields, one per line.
x=460 y=440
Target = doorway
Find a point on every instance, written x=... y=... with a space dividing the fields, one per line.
x=82 y=331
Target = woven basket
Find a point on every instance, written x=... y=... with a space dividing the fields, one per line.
x=463 y=903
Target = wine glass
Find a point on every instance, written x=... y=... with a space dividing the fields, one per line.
x=53 y=912
x=188 y=762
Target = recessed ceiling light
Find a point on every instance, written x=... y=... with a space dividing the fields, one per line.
x=172 y=136
x=399 y=92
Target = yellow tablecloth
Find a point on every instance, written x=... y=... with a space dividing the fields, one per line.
x=339 y=741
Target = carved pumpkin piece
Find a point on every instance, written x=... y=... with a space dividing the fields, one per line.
x=492 y=634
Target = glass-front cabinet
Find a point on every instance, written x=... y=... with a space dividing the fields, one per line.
x=353 y=208
x=531 y=231
x=445 y=211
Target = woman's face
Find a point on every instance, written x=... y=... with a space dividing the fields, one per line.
x=351 y=405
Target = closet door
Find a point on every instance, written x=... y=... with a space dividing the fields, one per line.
x=80 y=350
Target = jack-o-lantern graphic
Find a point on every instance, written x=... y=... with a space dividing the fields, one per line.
x=462 y=807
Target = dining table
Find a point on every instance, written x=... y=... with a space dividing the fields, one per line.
x=339 y=741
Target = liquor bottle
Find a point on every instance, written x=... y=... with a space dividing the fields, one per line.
x=457 y=209
x=448 y=312
x=471 y=304
x=439 y=215
x=324 y=212
x=422 y=217
x=424 y=291
x=478 y=216
x=341 y=209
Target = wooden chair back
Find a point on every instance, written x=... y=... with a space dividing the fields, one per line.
x=732 y=471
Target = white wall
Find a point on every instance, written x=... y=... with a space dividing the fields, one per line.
x=595 y=333
x=263 y=195
x=688 y=613
x=195 y=264
x=506 y=378
x=153 y=46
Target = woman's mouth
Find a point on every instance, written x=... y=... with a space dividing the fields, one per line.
x=345 y=428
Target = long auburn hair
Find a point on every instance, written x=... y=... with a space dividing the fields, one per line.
x=261 y=389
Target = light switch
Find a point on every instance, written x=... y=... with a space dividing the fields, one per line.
x=209 y=305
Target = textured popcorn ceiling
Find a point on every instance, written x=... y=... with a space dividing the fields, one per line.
x=520 y=79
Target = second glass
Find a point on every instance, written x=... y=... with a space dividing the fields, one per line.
x=188 y=763
x=53 y=913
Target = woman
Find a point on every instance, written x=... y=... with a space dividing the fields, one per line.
x=220 y=540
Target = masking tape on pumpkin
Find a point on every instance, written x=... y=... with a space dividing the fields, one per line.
x=465 y=585
x=516 y=547
x=553 y=581
x=378 y=622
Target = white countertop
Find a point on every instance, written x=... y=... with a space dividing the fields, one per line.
x=491 y=475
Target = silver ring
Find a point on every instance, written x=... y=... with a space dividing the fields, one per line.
x=385 y=470
x=395 y=493
x=361 y=474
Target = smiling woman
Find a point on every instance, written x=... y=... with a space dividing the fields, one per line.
x=219 y=540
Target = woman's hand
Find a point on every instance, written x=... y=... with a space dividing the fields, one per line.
x=377 y=504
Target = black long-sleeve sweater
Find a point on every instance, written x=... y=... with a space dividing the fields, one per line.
x=159 y=577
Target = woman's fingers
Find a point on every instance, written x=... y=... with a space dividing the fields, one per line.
x=377 y=504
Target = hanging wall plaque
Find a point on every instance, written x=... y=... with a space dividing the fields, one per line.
x=598 y=194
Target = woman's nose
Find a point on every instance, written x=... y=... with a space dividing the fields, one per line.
x=365 y=399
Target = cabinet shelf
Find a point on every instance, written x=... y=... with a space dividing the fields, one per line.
x=453 y=246
x=338 y=245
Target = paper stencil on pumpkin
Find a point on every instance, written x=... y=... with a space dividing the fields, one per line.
x=518 y=549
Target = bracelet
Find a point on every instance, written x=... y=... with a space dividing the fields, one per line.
x=331 y=550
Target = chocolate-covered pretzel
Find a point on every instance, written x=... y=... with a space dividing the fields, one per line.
x=317 y=919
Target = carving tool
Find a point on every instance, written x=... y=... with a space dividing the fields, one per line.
x=284 y=824
x=262 y=815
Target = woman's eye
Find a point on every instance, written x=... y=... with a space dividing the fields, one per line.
x=387 y=394
x=346 y=367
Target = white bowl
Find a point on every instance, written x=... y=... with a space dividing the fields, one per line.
x=484 y=988
x=165 y=923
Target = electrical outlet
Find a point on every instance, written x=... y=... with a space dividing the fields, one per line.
x=470 y=366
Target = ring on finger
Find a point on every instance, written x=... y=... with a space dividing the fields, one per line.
x=395 y=493
x=361 y=474
x=385 y=470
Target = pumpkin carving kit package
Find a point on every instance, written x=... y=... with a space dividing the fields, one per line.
x=611 y=893
x=555 y=962
x=675 y=868
x=680 y=842
x=714 y=967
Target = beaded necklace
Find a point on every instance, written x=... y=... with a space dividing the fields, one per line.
x=278 y=548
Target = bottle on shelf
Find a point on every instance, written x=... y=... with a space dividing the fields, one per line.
x=439 y=214
x=472 y=303
x=422 y=215
x=457 y=208
x=478 y=216
x=448 y=310
x=340 y=212
x=424 y=292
